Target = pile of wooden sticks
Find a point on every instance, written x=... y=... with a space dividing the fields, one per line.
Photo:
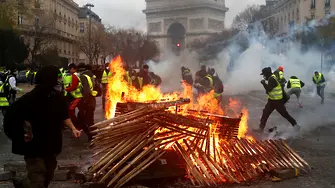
x=132 y=141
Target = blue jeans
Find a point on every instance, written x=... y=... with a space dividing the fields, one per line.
x=321 y=91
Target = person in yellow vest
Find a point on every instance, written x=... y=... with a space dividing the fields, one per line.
x=75 y=90
x=106 y=74
x=203 y=82
x=135 y=81
x=4 y=104
x=275 y=101
x=217 y=85
x=320 y=82
x=295 y=85
x=279 y=73
x=67 y=80
x=87 y=79
x=186 y=75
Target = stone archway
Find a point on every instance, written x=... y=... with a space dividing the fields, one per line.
x=176 y=37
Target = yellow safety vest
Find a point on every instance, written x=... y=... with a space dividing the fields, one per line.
x=3 y=99
x=105 y=76
x=77 y=93
x=295 y=83
x=281 y=75
x=318 y=80
x=27 y=73
x=217 y=95
x=140 y=80
x=277 y=92
x=67 y=81
x=90 y=83
x=187 y=72
x=210 y=81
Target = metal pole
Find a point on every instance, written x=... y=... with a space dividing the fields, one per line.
x=89 y=37
x=321 y=55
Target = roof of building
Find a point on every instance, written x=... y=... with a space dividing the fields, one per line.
x=84 y=12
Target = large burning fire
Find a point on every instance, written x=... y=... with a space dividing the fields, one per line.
x=198 y=130
x=120 y=91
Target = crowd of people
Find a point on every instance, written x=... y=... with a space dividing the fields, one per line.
x=206 y=80
x=35 y=121
x=274 y=85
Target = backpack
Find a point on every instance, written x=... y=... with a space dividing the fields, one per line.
x=218 y=85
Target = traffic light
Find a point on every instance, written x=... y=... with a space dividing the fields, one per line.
x=178 y=45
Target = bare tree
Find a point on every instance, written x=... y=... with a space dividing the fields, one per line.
x=42 y=30
x=132 y=45
x=249 y=15
x=98 y=43
x=9 y=10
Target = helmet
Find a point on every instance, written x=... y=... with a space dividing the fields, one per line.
x=281 y=68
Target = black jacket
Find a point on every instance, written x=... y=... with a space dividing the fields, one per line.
x=272 y=83
x=88 y=99
x=46 y=110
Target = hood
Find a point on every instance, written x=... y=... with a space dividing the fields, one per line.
x=266 y=72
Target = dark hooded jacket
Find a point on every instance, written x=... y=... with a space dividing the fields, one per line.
x=272 y=83
x=45 y=109
x=87 y=96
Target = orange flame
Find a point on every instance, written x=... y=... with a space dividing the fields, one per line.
x=117 y=85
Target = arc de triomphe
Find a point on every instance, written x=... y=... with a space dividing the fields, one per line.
x=176 y=23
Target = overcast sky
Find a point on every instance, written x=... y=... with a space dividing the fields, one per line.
x=128 y=13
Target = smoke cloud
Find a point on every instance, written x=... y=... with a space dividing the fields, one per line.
x=240 y=72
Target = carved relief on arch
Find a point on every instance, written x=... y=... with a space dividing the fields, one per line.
x=155 y=27
x=197 y=23
x=170 y=21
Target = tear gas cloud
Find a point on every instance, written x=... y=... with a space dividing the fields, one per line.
x=244 y=74
x=240 y=72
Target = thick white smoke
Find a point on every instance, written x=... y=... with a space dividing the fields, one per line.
x=244 y=76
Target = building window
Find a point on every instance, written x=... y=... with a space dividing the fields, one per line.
x=37 y=21
x=19 y=19
x=81 y=27
x=37 y=4
x=312 y=4
x=327 y=3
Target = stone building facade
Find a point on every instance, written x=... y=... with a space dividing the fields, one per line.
x=84 y=23
x=176 y=23
x=293 y=13
x=60 y=21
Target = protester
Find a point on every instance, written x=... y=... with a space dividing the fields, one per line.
x=104 y=81
x=186 y=75
x=11 y=85
x=320 y=82
x=275 y=100
x=34 y=124
x=295 y=85
x=135 y=81
x=144 y=74
x=87 y=79
x=75 y=90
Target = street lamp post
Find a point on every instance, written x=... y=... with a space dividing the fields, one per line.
x=89 y=6
x=322 y=54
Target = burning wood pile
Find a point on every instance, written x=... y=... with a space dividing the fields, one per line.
x=209 y=144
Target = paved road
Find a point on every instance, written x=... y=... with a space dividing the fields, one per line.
x=317 y=146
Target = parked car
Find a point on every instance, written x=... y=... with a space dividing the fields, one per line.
x=21 y=77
